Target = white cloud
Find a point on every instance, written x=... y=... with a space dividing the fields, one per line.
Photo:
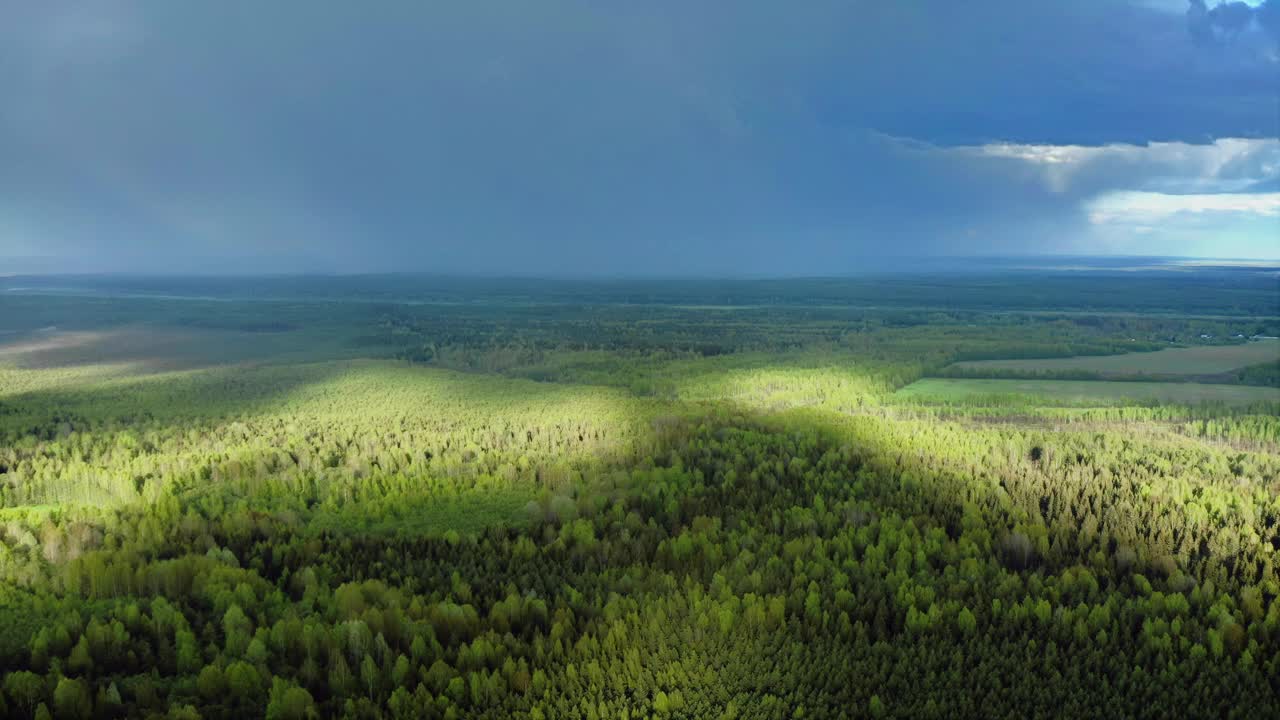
x=1226 y=165
x=1147 y=208
x=1179 y=7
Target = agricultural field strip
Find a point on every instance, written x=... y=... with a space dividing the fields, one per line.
x=1171 y=361
x=1084 y=391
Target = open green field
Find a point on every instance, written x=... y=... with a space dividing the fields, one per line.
x=1084 y=392
x=1209 y=360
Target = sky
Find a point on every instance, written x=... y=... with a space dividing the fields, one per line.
x=618 y=138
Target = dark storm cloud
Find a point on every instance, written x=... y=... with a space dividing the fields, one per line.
x=583 y=136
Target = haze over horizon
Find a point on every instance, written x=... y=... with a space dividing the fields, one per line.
x=570 y=138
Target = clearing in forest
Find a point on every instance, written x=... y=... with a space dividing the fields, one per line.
x=1207 y=360
x=950 y=390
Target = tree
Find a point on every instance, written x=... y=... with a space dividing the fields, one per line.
x=400 y=671
x=289 y=702
x=26 y=688
x=418 y=648
x=238 y=630
x=243 y=681
x=211 y=683
x=72 y=700
x=369 y=675
x=188 y=652
x=108 y=701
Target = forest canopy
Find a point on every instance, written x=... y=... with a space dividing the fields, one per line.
x=536 y=508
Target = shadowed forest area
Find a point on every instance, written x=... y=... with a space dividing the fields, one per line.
x=421 y=497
